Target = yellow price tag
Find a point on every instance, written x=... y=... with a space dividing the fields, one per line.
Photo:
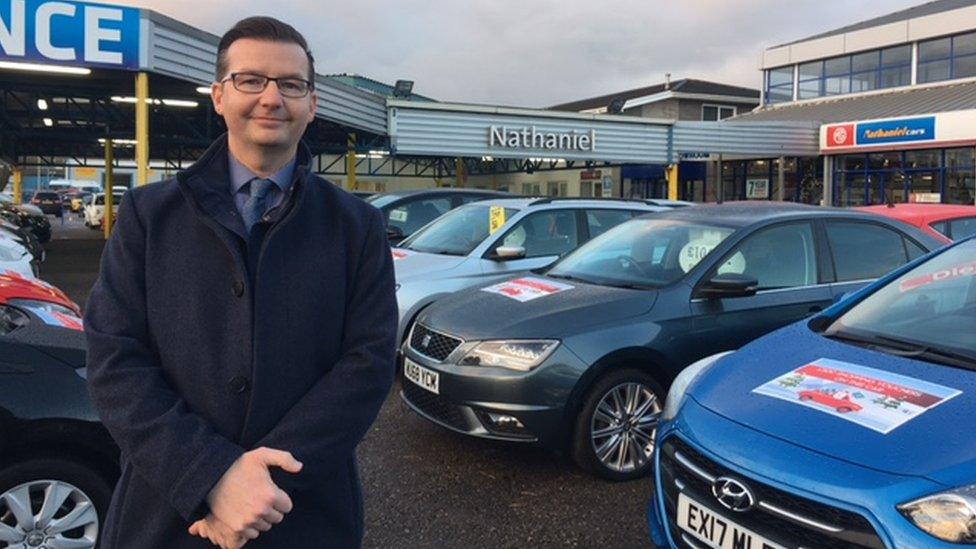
x=496 y=218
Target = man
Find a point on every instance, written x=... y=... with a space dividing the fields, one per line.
x=241 y=332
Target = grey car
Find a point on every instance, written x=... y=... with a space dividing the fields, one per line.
x=407 y=211
x=579 y=359
x=493 y=239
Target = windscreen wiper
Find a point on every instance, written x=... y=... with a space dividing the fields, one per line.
x=898 y=347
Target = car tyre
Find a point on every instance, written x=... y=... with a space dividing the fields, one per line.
x=76 y=486
x=614 y=433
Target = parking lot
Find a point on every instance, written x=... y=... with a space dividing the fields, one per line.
x=424 y=486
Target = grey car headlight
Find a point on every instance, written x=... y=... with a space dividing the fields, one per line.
x=679 y=387
x=949 y=516
x=515 y=354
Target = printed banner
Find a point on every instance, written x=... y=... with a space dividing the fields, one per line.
x=878 y=400
x=968 y=269
x=527 y=289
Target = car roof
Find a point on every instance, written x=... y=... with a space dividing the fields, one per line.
x=523 y=202
x=744 y=213
x=921 y=214
x=447 y=190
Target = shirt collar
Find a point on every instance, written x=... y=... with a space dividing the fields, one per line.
x=241 y=175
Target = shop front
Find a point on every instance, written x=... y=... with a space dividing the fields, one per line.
x=928 y=158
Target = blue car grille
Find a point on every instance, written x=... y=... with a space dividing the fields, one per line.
x=790 y=525
x=432 y=344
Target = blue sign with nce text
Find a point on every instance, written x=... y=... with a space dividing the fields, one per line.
x=896 y=131
x=69 y=33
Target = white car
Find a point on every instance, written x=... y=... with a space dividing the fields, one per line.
x=15 y=257
x=95 y=209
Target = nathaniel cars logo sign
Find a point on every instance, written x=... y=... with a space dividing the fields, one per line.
x=884 y=132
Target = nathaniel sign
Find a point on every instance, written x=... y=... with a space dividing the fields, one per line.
x=69 y=33
x=530 y=138
x=885 y=133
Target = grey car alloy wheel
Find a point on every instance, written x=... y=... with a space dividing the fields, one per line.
x=47 y=514
x=623 y=425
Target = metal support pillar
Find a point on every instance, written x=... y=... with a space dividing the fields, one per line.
x=458 y=172
x=18 y=177
x=351 y=162
x=720 y=182
x=142 y=128
x=828 y=182
x=108 y=209
x=671 y=172
x=781 y=179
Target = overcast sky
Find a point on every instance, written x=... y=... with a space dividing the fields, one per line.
x=536 y=53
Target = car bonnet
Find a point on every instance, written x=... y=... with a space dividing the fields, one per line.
x=909 y=417
x=534 y=306
x=410 y=264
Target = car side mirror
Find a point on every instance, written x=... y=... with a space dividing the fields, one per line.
x=729 y=285
x=504 y=253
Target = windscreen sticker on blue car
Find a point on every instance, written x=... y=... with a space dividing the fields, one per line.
x=527 y=289
x=872 y=398
x=951 y=273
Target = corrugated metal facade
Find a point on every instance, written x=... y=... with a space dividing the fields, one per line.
x=459 y=130
x=759 y=139
x=464 y=131
x=180 y=51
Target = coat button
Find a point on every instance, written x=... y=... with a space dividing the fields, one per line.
x=238 y=384
x=238 y=288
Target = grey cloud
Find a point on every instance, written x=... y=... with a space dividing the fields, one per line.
x=539 y=52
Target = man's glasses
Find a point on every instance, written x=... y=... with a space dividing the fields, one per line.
x=246 y=82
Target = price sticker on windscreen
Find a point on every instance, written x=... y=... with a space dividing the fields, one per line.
x=496 y=218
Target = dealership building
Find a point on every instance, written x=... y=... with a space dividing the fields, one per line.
x=879 y=110
x=895 y=101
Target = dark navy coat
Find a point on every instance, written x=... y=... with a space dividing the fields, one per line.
x=203 y=345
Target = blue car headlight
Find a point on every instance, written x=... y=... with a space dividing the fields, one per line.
x=679 y=387
x=949 y=516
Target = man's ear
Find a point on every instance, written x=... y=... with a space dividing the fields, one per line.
x=312 y=105
x=217 y=96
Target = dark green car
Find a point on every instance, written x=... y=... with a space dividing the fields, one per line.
x=581 y=357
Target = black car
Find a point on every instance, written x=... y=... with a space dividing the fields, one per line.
x=407 y=211
x=57 y=462
x=580 y=357
x=38 y=224
x=49 y=202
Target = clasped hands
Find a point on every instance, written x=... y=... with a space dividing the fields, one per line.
x=245 y=501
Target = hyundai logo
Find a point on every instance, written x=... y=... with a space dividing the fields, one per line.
x=733 y=495
x=425 y=341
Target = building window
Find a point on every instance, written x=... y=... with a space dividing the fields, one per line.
x=947 y=58
x=779 y=85
x=861 y=72
x=714 y=113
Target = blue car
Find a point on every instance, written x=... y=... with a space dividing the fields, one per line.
x=851 y=429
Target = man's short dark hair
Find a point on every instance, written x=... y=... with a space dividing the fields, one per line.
x=261 y=28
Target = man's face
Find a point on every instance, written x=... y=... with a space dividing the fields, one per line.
x=266 y=119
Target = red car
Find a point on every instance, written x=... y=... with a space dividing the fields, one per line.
x=42 y=298
x=839 y=401
x=945 y=221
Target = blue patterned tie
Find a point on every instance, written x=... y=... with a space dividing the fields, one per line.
x=257 y=203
